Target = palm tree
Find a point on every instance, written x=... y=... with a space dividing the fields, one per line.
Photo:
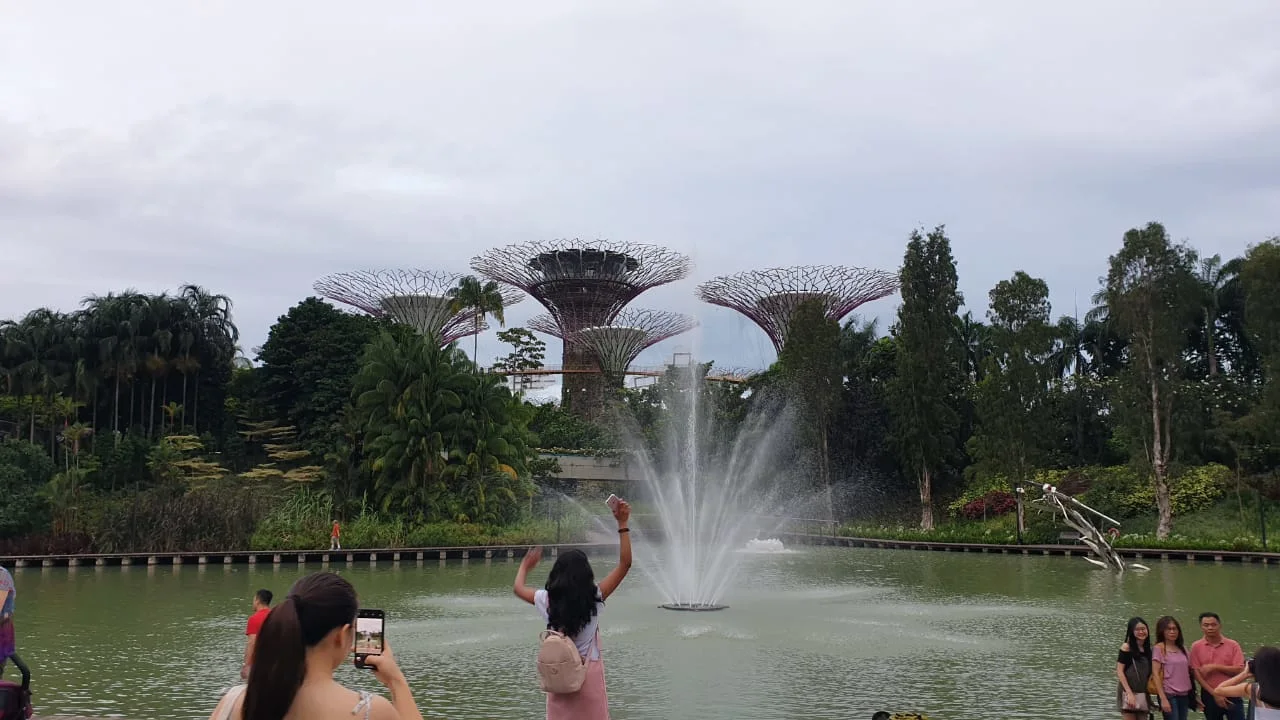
x=1218 y=283
x=482 y=299
x=407 y=398
x=212 y=333
x=974 y=343
x=114 y=322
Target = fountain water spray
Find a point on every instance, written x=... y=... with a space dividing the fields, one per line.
x=709 y=492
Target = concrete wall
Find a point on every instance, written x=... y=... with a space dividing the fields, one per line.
x=583 y=467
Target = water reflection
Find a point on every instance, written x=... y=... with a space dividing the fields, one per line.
x=823 y=633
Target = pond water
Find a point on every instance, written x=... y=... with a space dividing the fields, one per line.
x=815 y=633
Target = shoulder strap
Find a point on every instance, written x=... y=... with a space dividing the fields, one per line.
x=366 y=702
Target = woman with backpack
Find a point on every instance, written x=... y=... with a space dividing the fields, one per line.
x=301 y=643
x=571 y=604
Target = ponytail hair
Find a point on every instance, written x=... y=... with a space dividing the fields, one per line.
x=317 y=604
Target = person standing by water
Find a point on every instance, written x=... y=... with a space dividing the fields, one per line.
x=1133 y=668
x=1215 y=659
x=261 y=608
x=1171 y=668
x=334 y=537
x=571 y=604
x=8 y=639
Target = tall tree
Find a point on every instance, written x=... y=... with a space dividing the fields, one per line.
x=1260 y=278
x=1217 y=281
x=1013 y=397
x=482 y=298
x=311 y=355
x=1151 y=295
x=925 y=394
x=810 y=368
x=527 y=353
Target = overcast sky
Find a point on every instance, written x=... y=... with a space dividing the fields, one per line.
x=252 y=147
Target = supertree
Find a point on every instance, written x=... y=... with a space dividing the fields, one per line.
x=770 y=297
x=417 y=298
x=582 y=283
x=616 y=345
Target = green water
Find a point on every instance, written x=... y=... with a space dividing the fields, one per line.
x=818 y=633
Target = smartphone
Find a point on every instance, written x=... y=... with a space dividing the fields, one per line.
x=613 y=501
x=370 y=635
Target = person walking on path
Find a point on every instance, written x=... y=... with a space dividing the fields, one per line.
x=261 y=608
x=8 y=641
x=1216 y=658
x=334 y=537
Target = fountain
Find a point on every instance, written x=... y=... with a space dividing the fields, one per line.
x=768 y=545
x=709 y=497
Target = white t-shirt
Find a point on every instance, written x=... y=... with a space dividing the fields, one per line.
x=585 y=640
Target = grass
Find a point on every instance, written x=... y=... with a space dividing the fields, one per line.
x=1231 y=524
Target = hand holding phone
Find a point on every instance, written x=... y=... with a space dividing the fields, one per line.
x=370 y=635
x=620 y=509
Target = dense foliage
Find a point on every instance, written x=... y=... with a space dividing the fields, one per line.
x=134 y=422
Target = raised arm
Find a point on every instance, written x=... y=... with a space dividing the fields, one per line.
x=530 y=561
x=621 y=513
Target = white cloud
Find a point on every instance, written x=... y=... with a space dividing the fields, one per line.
x=254 y=147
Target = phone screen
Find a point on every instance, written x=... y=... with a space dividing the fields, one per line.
x=369 y=635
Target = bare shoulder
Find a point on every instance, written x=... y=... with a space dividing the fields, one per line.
x=381 y=708
x=1124 y=647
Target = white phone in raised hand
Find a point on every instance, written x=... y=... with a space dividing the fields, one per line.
x=613 y=501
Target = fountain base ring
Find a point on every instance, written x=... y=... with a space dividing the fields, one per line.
x=692 y=607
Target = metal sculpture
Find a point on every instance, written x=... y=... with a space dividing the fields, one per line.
x=582 y=284
x=615 y=346
x=413 y=297
x=770 y=297
x=1073 y=513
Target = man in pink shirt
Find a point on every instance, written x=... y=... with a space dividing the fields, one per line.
x=1215 y=659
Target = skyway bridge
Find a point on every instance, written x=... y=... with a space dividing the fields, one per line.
x=734 y=375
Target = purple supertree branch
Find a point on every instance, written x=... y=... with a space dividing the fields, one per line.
x=411 y=296
x=582 y=283
x=618 y=344
x=546 y=325
x=770 y=297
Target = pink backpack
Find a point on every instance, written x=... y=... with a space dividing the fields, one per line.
x=561 y=668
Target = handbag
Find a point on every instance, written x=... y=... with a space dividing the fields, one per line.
x=1139 y=703
x=1153 y=687
x=1139 y=695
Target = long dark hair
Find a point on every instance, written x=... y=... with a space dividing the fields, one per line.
x=571 y=593
x=1266 y=672
x=1132 y=639
x=315 y=606
x=1163 y=624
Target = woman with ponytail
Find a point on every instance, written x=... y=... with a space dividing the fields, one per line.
x=301 y=644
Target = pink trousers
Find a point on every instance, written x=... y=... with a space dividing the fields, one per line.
x=589 y=703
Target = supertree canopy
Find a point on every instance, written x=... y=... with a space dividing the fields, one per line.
x=582 y=283
x=417 y=298
x=770 y=297
x=615 y=346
